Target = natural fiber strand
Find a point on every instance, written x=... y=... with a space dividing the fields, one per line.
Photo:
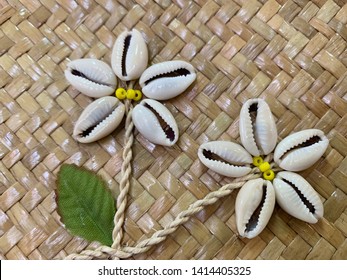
x=159 y=236
x=124 y=185
x=118 y=252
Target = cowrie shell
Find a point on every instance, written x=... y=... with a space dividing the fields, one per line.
x=301 y=150
x=226 y=158
x=155 y=122
x=254 y=205
x=129 y=55
x=92 y=77
x=258 y=132
x=167 y=79
x=99 y=119
x=297 y=197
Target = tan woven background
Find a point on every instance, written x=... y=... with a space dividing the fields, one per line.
x=292 y=53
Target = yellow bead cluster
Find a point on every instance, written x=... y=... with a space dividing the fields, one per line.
x=131 y=94
x=264 y=167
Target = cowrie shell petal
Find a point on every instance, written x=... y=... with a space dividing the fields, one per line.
x=91 y=77
x=296 y=152
x=254 y=205
x=99 y=119
x=258 y=134
x=129 y=55
x=226 y=158
x=149 y=116
x=167 y=79
x=297 y=197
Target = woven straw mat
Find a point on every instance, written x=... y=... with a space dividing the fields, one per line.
x=291 y=53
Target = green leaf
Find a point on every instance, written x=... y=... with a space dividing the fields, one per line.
x=85 y=204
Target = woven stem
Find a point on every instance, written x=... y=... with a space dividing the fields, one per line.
x=104 y=252
x=124 y=185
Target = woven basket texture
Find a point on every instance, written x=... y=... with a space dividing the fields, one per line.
x=291 y=53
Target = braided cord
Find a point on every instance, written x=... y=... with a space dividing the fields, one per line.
x=105 y=252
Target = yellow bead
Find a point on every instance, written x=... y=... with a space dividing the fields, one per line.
x=121 y=93
x=131 y=94
x=269 y=175
x=265 y=166
x=138 y=95
x=257 y=161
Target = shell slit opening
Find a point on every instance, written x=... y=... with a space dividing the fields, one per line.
x=80 y=74
x=253 y=112
x=307 y=203
x=125 y=52
x=309 y=142
x=170 y=134
x=172 y=74
x=90 y=129
x=254 y=219
x=215 y=157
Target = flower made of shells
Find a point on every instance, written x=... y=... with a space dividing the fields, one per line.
x=129 y=60
x=255 y=201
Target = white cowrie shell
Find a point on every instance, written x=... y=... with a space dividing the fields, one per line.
x=254 y=205
x=99 y=119
x=258 y=132
x=129 y=55
x=297 y=197
x=155 y=122
x=92 y=77
x=167 y=79
x=226 y=158
x=301 y=150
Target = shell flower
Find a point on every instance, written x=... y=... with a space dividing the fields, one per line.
x=129 y=60
x=256 y=199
